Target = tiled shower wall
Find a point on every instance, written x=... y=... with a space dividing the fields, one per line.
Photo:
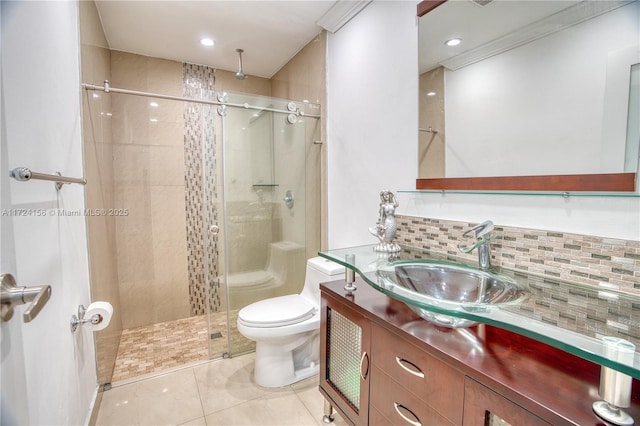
x=149 y=182
x=582 y=259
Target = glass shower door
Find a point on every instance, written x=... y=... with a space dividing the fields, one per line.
x=264 y=204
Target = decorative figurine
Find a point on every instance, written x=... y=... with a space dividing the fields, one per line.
x=385 y=228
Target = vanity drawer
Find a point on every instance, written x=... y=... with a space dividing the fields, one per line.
x=429 y=379
x=394 y=405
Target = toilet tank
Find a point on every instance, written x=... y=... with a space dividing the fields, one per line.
x=320 y=270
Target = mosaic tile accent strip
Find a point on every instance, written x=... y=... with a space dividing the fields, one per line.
x=552 y=257
x=597 y=261
x=200 y=146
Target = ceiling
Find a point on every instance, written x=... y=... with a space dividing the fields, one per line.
x=477 y=25
x=270 y=32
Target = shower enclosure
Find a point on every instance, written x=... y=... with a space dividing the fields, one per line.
x=255 y=244
x=213 y=198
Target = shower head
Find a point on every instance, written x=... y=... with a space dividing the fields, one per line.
x=240 y=75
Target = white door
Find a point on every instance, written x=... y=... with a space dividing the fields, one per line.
x=47 y=372
x=13 y=409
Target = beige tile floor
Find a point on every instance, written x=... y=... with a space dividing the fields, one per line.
x=219 y=392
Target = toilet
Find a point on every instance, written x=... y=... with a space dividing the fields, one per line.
x=286 y=329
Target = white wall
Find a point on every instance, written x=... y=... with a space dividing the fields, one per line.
x=42 y=131
x=372 y=116
x=372 y=143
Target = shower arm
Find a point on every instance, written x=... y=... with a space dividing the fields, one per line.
x=240 y=75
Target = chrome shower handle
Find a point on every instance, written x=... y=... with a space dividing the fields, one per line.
x=12 y=296
x=288 y=199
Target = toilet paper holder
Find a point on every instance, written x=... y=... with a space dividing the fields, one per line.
x=80 y=319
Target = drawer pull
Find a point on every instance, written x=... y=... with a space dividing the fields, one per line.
x=415 y=370
x=364 y=373
x=415 y=422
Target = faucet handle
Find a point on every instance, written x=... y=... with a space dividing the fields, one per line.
x=480 y=230
x=476 y=244
x=481 y=234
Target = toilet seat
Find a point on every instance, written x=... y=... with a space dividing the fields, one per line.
x=277 y=312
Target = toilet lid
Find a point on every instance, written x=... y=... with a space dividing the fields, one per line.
x=277 y=311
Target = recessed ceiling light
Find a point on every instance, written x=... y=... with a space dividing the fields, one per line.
x=431 y=93
x=453 y=42
x=153 y=104
x=207 y=42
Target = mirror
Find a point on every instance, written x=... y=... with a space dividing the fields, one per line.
x=534 y=88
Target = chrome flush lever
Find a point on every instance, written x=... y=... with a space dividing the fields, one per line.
x=12 y=296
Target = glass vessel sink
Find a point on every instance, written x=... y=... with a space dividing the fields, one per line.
x=447 y=286
x=560 y=313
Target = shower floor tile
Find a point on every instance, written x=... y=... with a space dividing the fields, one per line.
x=168 y=345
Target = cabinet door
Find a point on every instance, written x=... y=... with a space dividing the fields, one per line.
x=345 y=361
x=484 y=407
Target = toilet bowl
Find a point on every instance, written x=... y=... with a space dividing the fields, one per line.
x=286 y=329
x=282 y=274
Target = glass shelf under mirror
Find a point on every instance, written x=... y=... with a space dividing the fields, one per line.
x=563 y=194
x=569 y=316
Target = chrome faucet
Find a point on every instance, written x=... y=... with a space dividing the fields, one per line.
x=481 y=234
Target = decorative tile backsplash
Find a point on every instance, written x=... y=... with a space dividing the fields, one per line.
x=553 y=257
x=603 y=262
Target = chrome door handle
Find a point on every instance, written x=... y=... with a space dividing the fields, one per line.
x=12 y=296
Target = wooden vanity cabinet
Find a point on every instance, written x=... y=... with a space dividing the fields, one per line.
x=381 y=364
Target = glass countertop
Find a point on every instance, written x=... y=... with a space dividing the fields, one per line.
x=577 y=318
